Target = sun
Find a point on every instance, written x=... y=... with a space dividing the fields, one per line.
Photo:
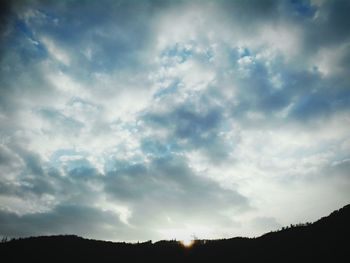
x=187 y=242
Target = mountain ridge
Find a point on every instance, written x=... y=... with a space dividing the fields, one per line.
x=324 y=240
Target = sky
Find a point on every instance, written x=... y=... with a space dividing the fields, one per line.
x=149 y=120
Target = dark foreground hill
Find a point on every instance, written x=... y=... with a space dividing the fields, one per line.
x=327 y=240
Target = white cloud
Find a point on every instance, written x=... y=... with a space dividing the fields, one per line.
x=55 y=51
x=328 y=60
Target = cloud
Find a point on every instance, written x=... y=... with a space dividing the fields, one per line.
x=187 y=128
x=172 y=117
x=265 y=224
x=59 y=121
x=167 y=194
x=65 y=219
x=170 y=182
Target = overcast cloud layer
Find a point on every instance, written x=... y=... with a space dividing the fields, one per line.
x=137 y=120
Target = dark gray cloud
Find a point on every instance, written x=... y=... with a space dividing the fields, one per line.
x=167 y=187
x=65 y=219
x=111 y=33
x=331 y=27
x=250 y=13
x=190 y=128
x=174 y=175
x=309 y=95
x=31 y=178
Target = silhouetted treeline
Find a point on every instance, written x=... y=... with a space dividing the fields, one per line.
x=326 y=240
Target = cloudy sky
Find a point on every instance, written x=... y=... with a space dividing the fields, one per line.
x=138 y=120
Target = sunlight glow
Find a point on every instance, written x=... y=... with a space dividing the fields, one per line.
x=187 y=242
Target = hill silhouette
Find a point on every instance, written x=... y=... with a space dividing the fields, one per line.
x=326 y=240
